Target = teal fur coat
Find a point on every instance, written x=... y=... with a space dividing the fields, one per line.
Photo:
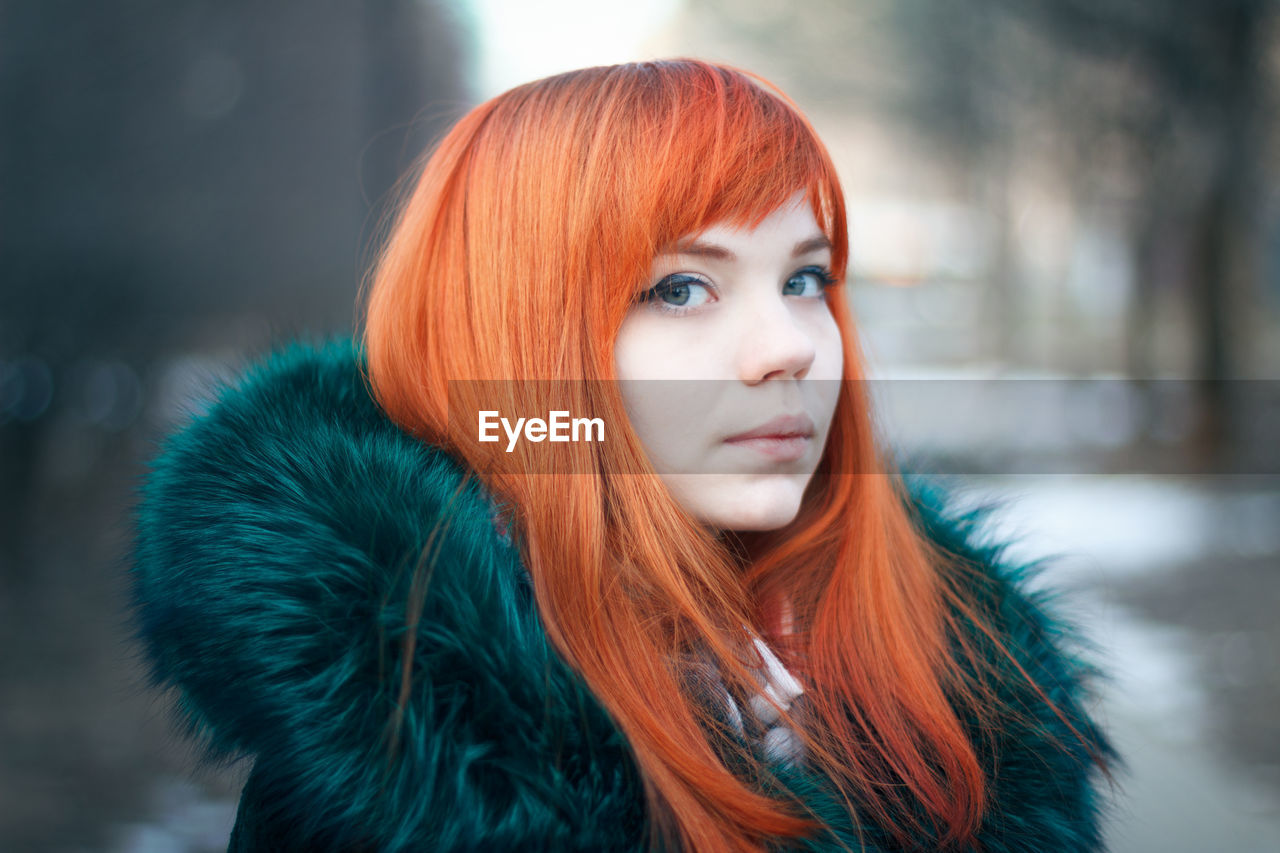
x=276 y=541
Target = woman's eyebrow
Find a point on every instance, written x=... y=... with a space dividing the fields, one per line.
x=813 y=244
x=711 y=250
x=697 y=247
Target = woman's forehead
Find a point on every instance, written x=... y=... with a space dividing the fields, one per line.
x=793 y=218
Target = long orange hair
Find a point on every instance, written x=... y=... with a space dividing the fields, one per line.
x=516 y=257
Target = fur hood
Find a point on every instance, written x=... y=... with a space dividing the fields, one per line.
x=276 y=540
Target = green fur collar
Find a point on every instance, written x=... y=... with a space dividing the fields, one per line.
x=276 y=538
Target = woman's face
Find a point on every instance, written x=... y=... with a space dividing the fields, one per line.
x=744 y=313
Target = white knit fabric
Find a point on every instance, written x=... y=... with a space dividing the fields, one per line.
x=779 y=742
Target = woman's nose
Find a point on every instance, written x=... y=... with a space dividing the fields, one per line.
x=774 y=344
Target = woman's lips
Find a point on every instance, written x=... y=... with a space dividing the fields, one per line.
x=779 y=448
x=784 y=439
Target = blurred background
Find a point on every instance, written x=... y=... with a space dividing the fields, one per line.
x=1044 y=195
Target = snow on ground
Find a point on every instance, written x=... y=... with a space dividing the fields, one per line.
x=1178 y=794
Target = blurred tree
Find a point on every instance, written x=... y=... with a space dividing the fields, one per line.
x=187 y=174
x=176 y=177
x=1198 y=133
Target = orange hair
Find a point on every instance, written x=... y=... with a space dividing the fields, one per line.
x=516 y=257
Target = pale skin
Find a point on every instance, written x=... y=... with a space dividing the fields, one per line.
x=745 y=311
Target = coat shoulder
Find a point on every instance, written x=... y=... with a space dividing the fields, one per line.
x=1045 y=761
x=328 y=595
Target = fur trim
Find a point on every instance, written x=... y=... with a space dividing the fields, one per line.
x=276 y=538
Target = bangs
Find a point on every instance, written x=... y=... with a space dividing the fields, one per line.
x=721 y=147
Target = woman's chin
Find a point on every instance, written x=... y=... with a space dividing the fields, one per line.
x=743 y=502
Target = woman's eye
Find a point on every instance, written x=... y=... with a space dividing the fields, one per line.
x=810 y=281
x=678 y=292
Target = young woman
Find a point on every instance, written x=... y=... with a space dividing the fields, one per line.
x=719 y=620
